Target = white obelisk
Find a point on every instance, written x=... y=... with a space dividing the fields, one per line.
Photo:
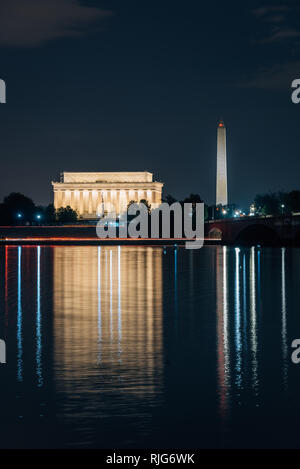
x=222 y=197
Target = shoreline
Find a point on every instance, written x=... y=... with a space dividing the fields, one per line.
x=85 y=235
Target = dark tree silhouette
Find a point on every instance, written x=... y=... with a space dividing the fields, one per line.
x=50 y=214
x=169 y=199
x=19 y=208
x=146 y=203
x=131 y=203
x=267 y=204
x=66 y=215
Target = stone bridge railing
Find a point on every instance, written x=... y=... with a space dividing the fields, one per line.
x=256 y=230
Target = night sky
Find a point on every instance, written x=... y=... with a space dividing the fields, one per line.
x=140 y=85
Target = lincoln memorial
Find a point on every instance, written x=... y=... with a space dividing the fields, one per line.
x=88 y=192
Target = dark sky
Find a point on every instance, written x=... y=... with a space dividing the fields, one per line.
x=140 y=85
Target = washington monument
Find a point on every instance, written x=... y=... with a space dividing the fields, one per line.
x=221 y=166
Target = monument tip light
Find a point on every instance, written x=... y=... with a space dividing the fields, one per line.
x=221 y=192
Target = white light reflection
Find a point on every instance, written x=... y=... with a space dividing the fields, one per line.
x=226 y=319
x=19 y=320
x=253 y=321
x=284 y=321
x=245 y=336
x=238 y=335
x=39 y=370
x=223 y=344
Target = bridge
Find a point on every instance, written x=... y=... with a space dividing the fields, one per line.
x=284 y=229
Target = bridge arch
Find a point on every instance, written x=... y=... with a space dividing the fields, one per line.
x=215 y=233
x=258 y=234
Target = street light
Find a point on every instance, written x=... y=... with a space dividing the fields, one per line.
x=19 y=217
x=252 y=210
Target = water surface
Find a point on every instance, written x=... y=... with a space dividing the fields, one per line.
x=119 y=347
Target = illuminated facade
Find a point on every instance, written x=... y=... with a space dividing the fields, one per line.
x=88 y=193
x=221 y=195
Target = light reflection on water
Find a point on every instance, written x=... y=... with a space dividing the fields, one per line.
x=124 y=300
x=238 y=338
x=129 y=347
x=19 y=320
x=39 y=369
x=284 y=322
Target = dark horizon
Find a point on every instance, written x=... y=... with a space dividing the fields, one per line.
x=134 y=87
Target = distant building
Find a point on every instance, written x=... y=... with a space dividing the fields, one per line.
x=221 y=193
x=89 y=193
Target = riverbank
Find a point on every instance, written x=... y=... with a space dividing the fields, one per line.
x=76 y=235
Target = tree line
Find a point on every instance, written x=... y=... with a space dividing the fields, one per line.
x=17 y=209
x=277 y=203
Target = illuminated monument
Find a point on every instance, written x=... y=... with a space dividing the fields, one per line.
x=86 y=192
x=221 y=166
